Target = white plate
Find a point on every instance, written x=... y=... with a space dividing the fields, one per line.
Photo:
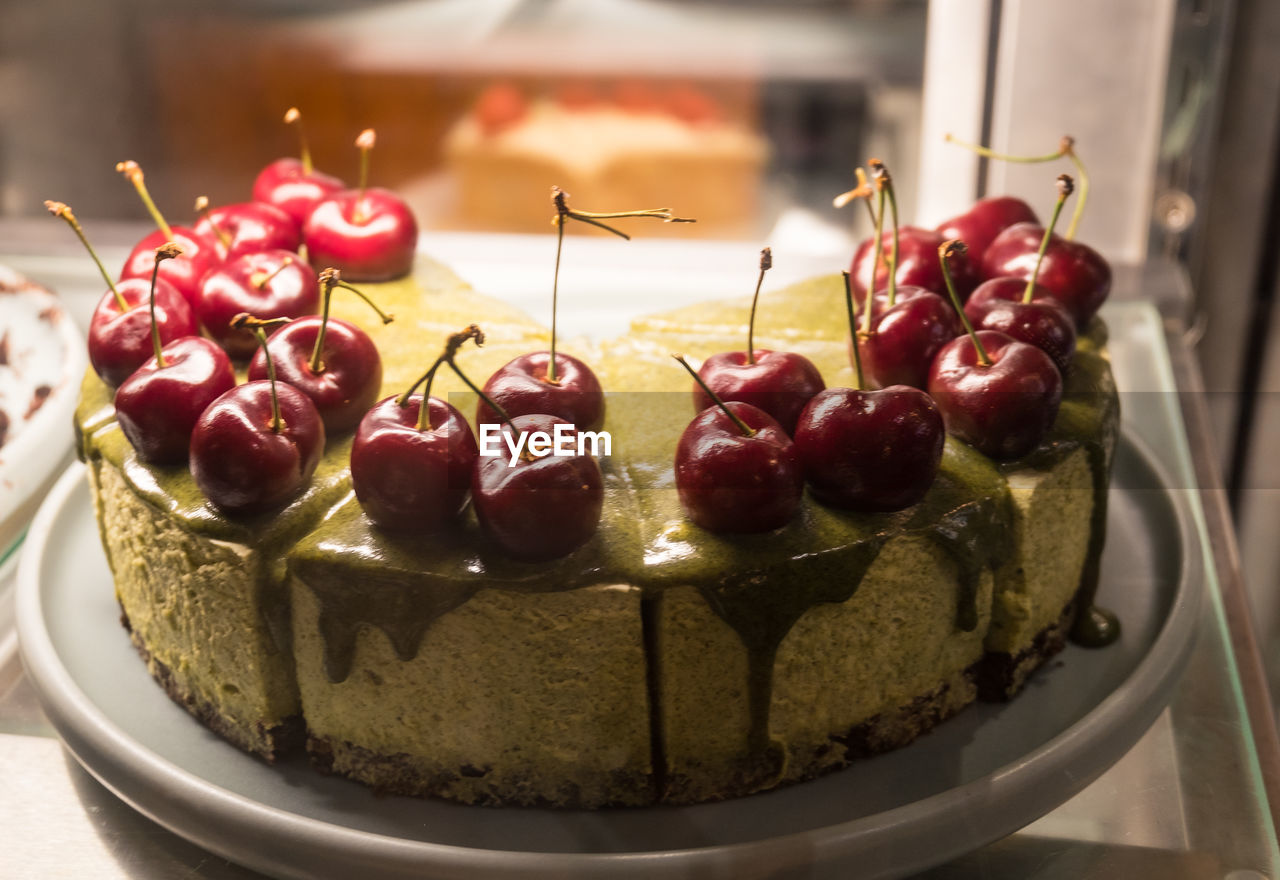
x=976 y=778
x=41 y=353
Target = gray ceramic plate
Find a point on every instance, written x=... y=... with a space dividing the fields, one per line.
x=980 y=776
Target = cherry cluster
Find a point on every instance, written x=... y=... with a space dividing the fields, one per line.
x=189 y=300
x=415 y=460
x=966 y=329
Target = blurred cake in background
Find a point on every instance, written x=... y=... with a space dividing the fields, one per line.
x=631 y=144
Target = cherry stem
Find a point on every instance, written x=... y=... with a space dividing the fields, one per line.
x=255 y=326
x=863 y=191
x=742 y=426
x=133 y=172
x=885 y=182
x=766 y=263
x=293 y=116
x=202 y=208
x=166 y=251
x=875 y=261
x=853 y=332
x=1065 y=187
x=364 y=142
x=260 y=281
x=452 y=344
x=1066 y=148
x=559 y=198
x=945 y=251
x=63 y=211
x=329 y=279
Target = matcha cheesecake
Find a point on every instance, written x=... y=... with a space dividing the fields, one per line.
x=657 y=663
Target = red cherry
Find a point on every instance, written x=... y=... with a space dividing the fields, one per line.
x=987 y=218
x=870 y=450
x=731 y=482
x=905 y=338
x=287 y=185
x=499 y=107
x=241 y=464
x=269 y=284
x=412 y=480
x=250 y=227
x=1076 y=274
x=120 y=342
x=779 y=382
x=158 y=406
x=917 y=264
x=368 y=235
x=1002 y=409
x=1044 y=322
x=537 y=508
x=520 y=387
x=351 y=369
x=199 y=256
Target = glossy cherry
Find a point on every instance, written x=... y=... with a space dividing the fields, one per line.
x=199 y=254
x=998 y=395
x=269 y=284
x=248 y=227
x=119 y=335
x=778 y=382
x=905 y=337
x=408 y=479
x=158 y=406
x=333 y=362
x=538 y=507
x=737 y=470
x=1044 y=322
x=293 y=185
x=917 y=263
x=522 y=387
x=369 y=234
x=869 y=450
x=985 y=219
x=256 y=447
x=411 y=463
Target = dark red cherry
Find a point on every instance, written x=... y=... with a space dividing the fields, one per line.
x=411 y=480
x=1044 y=322
x=240 y=461
x=537 y=507
x=1074 y=273
x=779 y=382
x=158 y=406
x=350 y=374
x=985 y=219
x=269 y=284
x=120 y=342
x=905 y=339
x=368 y=236
x=731 y=482
x=199 y=256
x=287 y=185
x=250 y=227
x=917 y=264
x=521 y=388
x=1003 y=409
x=870 y=450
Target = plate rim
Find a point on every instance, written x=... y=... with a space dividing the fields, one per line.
x=1107 y=731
